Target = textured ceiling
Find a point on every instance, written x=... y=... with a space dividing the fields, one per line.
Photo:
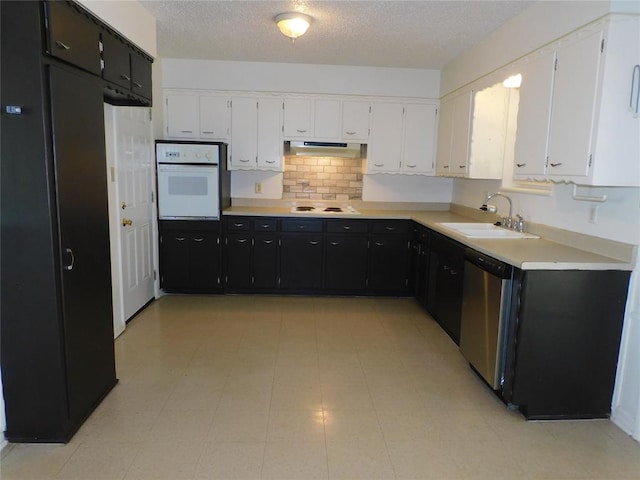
x=402 y=34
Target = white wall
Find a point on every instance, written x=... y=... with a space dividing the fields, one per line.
x=321 y=79
x=130 y=19
x=300 y=78
x=617 y=219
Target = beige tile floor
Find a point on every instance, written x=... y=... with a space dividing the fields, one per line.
x=244 y=387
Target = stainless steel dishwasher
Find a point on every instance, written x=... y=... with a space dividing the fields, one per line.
x=485 y=311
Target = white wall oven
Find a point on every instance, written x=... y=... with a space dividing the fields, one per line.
x=189 y=180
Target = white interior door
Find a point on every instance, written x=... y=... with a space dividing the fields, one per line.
x=134 y=167
x=130 y=164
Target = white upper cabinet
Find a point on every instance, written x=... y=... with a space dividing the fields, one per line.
x=420 y=124
x=453 y=137
x=182 y=116
x=326 y=119
x=534 y=112
x=215 y=118
x=591 y=135
x=244 y=133
x=385 y=147
x=402 y=138
x=269 y=149
x=256 y=140
x=298 y=118
x=355 y=120
x=197 y=117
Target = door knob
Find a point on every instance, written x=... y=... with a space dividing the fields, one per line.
x=127 y=222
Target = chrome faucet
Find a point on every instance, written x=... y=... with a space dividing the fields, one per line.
x=507 y=222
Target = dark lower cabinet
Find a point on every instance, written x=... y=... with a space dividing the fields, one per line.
x=346 y=263
x=238 y=261
x=265 y=261
x=301 y=262
x=390 y=257
x=420 y=252
x=190 y=256
x=445 y=284
x=563 y=343
x=56 y=319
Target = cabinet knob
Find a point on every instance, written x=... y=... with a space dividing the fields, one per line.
x=350 y=133
x=137 y=85
x=198 y=239
x=301 y=131
x=520 y=165
x=125 y=77
x=379 y=164
x=555 y=164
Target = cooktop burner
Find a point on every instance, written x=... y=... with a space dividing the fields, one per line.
x=332 y=209
x=305 y=209
x=320 y=209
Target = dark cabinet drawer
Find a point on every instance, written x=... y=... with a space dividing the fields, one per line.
x=391 y=226
x=265 y=225
x=295 y=225
x=235 y=224
x=73 y=36
x=347 y=226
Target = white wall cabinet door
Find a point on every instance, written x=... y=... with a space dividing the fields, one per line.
x=215 y=118
x=326 y=123
x=244 y=133
x=355 y=121
x=269 y=147
x=420 y=124
x=182 y=116
x=385 y=146
x=453 y=142
x=297 y=118
x=573 y=110
x=534 y=113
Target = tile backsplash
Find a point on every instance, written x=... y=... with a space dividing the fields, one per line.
x=322 y=178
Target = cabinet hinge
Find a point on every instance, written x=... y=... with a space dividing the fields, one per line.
x=101 y=46
x=555 y=65
x=257 y=105
x=436 y=112
x=546 y=162
x=590 y=158
x=101 y=64
x=602 y=46
x=226 y=279
x=166 y=102
x=253 y=280
x=155 y=275
x=150 y=115
x=369 y=108
x=230 y=103
x=153 y=197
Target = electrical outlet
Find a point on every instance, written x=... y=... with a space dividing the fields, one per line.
x=593 y=214
x=258 y=187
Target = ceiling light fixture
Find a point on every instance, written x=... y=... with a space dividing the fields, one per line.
x=293 y=25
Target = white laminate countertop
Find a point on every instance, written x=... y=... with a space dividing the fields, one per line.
x=526 y=254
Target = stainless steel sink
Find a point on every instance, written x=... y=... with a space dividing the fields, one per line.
x=485 y=230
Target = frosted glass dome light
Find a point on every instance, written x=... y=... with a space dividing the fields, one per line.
x=293 y=25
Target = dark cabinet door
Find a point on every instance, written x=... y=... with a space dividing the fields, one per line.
x=174 y=260
x=81 y=185
x=73 y=37
x=204 y=261
x=301 y=261
x=238 y=260
x=389 y=263
x=117 y=68
x=346 y=262
x=265 y=261
x=140 y=75
x=445 y=284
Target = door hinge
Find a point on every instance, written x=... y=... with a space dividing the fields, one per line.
x=166 y=102
x=101 y=46
x=546 y=162
x=590 y=159
x=602 y=46
x=555 y=65
x=155 y=275
x=153 y=197
x=436 y=112
x=102 y=64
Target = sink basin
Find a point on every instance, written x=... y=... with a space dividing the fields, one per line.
x=485 y=230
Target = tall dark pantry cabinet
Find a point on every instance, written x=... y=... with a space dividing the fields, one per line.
x=56 y=329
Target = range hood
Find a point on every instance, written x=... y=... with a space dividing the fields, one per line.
x=325 y=149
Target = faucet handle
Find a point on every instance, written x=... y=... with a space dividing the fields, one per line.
x=519 y=224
